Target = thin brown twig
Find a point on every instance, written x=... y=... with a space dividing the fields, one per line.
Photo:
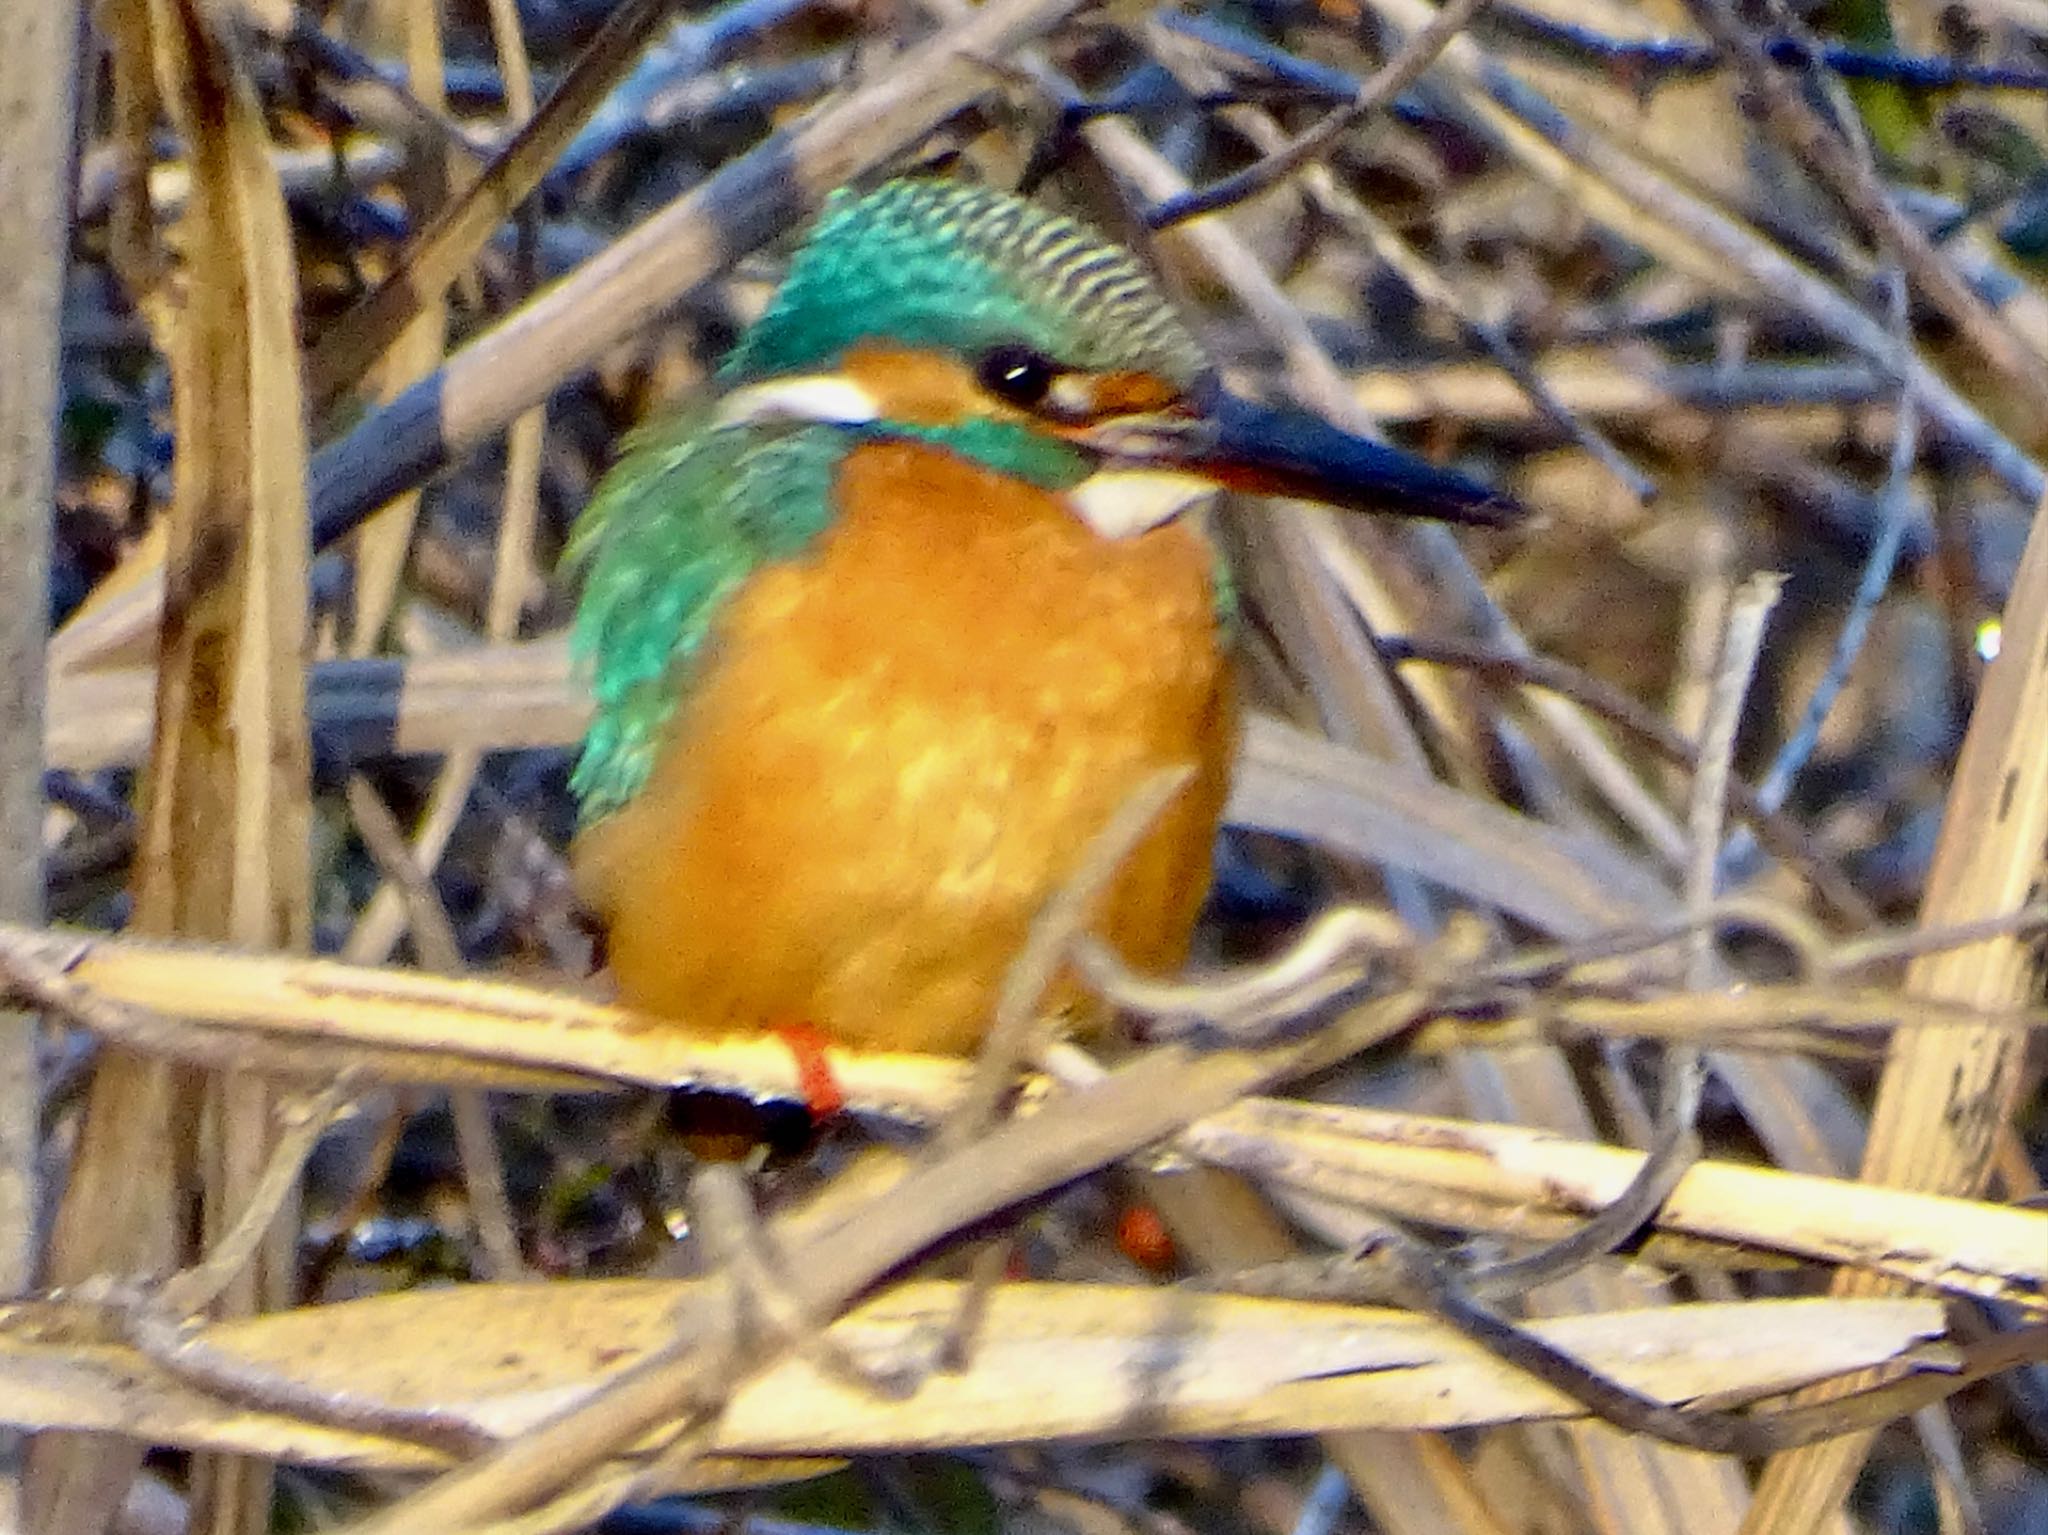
x=1006 y=1044
x=1329 y=958
x=1779 y=833
x=352 y=345
x=361 y=78
x=179 y=1347
x=1430 y=285
x=1256 y=1001
x=1817 y=145
x=161 y=1321
x=300 y=1123
x=1675 y=1140
x=483 y=1173
x=1387 y=82
x=1408 y=1273
x=1819 y=956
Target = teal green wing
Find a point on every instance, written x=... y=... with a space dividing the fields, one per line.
x=673 y=531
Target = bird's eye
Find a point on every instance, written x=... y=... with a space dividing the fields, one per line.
x=1017 y=375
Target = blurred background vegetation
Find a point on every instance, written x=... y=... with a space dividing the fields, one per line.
x=1712 y=287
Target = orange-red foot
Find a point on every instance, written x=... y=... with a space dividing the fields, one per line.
x=1142 y=1237
x=821 y=1091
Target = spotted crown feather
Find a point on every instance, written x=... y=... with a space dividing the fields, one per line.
x=964 y=268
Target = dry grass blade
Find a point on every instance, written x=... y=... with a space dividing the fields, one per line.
x=304 y=1017
x=1774 y=830
x=382 y=546
x=1507 y=1178
x=514 y=696
x=1946 y=1092
x=1556 y=879
x=1053 y=1361
x=224 y=846
x=406 y=1026
x=1286 y=781
x=493 y=697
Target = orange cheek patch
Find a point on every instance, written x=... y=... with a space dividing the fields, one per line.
x=1130 y=394
x=924 y=388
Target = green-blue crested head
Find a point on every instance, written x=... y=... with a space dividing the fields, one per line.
x=964 y=269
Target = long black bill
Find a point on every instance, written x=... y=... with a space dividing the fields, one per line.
x=1278 y=450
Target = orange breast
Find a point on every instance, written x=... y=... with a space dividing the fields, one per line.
x=896 y=749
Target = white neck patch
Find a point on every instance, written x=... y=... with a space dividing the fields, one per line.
x=1122 y=503
x=832 y=398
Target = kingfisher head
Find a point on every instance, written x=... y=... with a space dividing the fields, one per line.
x=1021 y=338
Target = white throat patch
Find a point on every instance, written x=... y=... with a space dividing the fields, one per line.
x=1122 y=503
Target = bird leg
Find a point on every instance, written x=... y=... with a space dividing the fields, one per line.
x=807 y=1045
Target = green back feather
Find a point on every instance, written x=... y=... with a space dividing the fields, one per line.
x=692 y=510
x=674 y=529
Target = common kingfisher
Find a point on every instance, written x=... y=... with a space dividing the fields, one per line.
x=882 y=634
